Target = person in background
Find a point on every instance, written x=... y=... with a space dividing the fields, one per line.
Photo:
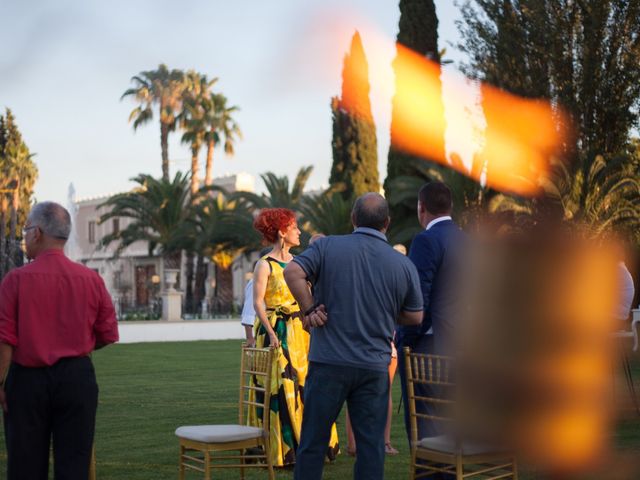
x=248 y=315
x=627 y=291
x=53 y=314
x=389 y=449
x=278 y=325
x=437 y=253
x=362 y=287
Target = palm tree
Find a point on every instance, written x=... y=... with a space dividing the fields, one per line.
x=279 y=193
x=221 y=124
x=223 y=230
x=193 y=119
x=162 y=87
x=605 y=197
x=159 y=212
x=328 y=213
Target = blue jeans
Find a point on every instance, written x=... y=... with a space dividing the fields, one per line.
x=367 y=395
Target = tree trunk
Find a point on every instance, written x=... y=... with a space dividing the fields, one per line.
x=189 y=305
x=164 y=145
x=208 y=179
x=195 y=167
x=224 y=289
x=201 y=277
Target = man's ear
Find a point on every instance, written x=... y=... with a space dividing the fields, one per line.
x=387 y=222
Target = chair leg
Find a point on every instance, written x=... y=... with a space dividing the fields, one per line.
x=459 y=469
x=207 y=465
x=515 y=469
x=242 y=462
x=412 y=467
x=267 y=456
x=181 y=463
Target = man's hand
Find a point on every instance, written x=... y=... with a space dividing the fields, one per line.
x=317 y=318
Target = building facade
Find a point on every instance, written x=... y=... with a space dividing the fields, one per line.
x=133 y=276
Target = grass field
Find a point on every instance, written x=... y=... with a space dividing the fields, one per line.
x=147 y=390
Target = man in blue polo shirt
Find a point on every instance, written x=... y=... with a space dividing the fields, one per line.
x=362 y=287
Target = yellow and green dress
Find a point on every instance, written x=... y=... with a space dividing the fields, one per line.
x=290 y=369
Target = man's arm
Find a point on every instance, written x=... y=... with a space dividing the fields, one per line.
x=6 y=353
x=412 y=310
x=409 y=318
x=296 y=280
x=106 y=326
x=426 y=258
x=8 y=320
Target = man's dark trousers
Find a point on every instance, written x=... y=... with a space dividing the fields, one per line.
x=57 y=402
x=325 y=391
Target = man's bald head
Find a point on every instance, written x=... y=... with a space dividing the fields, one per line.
x=371 y=210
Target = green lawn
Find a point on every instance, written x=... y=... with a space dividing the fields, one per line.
x=147 y=390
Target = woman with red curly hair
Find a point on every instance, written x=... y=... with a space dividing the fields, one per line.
x=278 y=324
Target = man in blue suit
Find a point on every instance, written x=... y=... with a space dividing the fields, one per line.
x=436 y=252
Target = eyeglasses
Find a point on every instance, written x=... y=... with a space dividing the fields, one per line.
x=26 y=229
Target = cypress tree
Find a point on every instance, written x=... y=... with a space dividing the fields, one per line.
x=418 y=30
x=355 y=159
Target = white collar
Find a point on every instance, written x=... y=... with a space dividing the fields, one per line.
x=437 y=220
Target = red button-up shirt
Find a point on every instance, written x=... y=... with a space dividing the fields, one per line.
x=54 y=308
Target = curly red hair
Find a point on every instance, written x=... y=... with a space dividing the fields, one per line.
x=270 y=221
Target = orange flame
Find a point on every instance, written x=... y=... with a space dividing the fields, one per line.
x=522 y=136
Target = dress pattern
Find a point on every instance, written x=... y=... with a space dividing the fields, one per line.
x=290 y=369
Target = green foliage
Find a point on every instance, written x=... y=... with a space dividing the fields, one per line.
x=221 y=124
x=418 y=30
x=196 y=102
x=159 y=212
x=223 y=222
x=328 y=213
x=584 y=56
x=164 y=88
x=18 y=174
x=279 y=193
x=355 y=148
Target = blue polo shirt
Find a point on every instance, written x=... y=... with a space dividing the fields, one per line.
x=364 y=284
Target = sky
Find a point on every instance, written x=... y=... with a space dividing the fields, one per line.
x=65 y=65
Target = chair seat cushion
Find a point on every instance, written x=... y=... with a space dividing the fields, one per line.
x=218 y=433
x=447 y=444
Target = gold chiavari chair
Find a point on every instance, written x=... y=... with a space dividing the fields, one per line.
x=446 y=453
x=203 y=447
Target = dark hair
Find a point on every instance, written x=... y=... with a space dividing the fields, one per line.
x=435 y=197
x=370 y=210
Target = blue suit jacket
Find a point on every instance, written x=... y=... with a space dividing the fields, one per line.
x=438 y=255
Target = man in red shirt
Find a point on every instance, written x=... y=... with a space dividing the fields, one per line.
x=53 y=314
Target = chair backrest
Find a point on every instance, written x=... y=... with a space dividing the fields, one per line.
x=256 y=367
x=437 y=372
